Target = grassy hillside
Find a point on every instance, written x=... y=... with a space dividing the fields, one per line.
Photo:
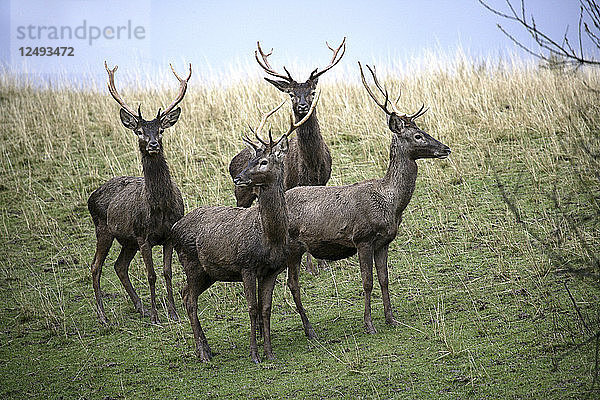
x=494 y=273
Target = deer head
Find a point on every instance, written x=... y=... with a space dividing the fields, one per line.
x=149 y=132
x=266 y=164
x=302 y=94
x=417 y=143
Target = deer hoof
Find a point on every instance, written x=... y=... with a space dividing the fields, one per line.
x=203 y=355
x=143 y=312
x=370 y=328
x=392 y=321
x=254 y=356
x=173 y=315
x=154 y=319
x=310 y=333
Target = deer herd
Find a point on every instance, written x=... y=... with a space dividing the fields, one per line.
x=296 y=213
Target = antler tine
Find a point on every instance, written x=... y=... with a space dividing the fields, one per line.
x=364 y=81
x=264 y=120
x=182 y=89
x=247 y=140
x=383 y=90
x=334 y=60
x=264 y=64
x=113 y=90
x=421 y=111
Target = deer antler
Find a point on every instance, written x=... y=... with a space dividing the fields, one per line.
x=314 y=75
x=264 y=120
x=115 y=94
x=264 y=64
x=113 y=90
x=182 y=89
x=416 y=115
x=381 y=89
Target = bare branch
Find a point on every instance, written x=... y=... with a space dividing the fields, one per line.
x=564 y=50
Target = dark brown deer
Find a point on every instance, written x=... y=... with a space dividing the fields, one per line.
x=139 y=212
x=308 y=161
x=240 y=244
x=336 y=222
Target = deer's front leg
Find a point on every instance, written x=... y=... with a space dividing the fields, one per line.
x=265 y=292
x=381 y=257
x=146 y=251
x=249 y=280
x=365 y=259
x=168 y=274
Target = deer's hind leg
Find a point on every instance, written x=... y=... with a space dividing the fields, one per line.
x=294 y=286
x=104 y=240
x=197 y=282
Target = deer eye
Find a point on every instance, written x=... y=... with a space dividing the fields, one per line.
x=418 y=137
x=264 y=162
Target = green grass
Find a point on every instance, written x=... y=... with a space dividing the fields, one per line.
x=493 y=243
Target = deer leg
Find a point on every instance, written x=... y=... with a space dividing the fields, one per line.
x=381 y=257
x=321 y=264
x=168 y=274
x=294 y=285
x=310 y=266
x=122 y=270
x=103 y=243
x=146 y=251
x=365 y=258
x=249 y=280
x=196 y=284
x=265 y=293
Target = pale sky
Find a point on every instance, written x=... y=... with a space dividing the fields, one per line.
x=219 y=37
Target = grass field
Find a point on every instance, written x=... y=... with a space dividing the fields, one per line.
x=494 y=273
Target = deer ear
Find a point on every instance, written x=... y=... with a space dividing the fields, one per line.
x=169 y=119
x=128 y=120
x=282 y=147
x=281 y=85
x=395 y=123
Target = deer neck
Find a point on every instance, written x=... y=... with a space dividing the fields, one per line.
x=310 y=139
x=401 y=175
x=273 y=212
x=157 y=180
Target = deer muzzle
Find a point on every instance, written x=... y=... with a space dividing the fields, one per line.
x=443 y=153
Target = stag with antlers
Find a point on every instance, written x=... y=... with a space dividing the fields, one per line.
x=336 y=222
x=240 y=244
x=139 y=211
x=308 y=161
